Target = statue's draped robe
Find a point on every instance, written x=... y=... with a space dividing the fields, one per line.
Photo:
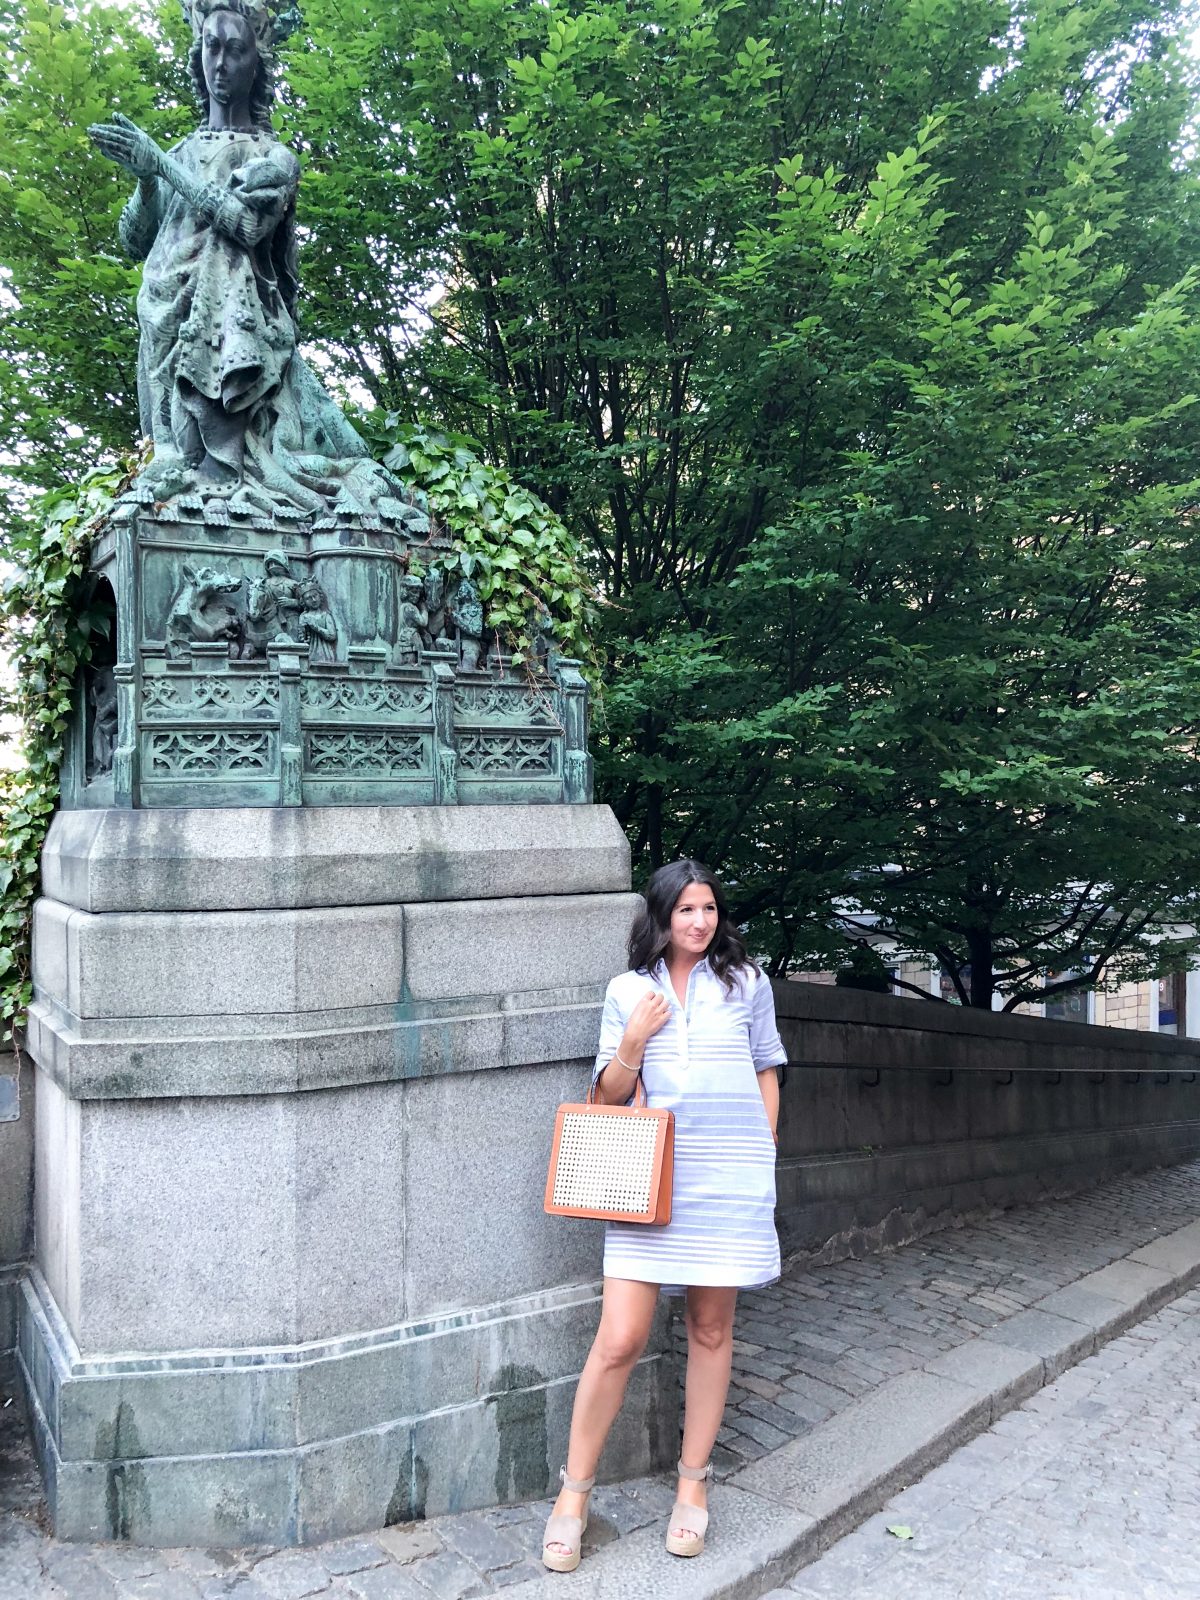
x=218 y=338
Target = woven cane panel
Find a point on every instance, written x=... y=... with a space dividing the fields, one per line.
x=606 y=1163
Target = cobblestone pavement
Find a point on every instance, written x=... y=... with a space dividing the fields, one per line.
x=814 y=1342
x=806 y=1348
x=1090 y=1491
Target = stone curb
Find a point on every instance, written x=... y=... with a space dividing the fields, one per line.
x=776 y=1516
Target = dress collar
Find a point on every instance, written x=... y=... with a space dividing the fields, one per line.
x=659 y=969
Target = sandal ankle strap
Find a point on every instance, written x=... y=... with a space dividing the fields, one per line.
x=576 y=1485
x=696 y=1474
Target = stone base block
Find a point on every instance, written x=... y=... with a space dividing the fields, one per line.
x=296 y=1444
x=253 y=1221
x=132 y=1005
x=249 y=858
x=16 y=1191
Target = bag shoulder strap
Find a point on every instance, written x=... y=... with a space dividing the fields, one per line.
x=639 y=1094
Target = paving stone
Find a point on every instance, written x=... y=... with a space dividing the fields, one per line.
x=525 y=1571
x=409 y=1541
x=233 y=1586
x=502 y=1516
x=777 y=1417
x=482 y=1545
x=967 y=1304
x=204 y=1563
x=449 y=1577
x=73 y=1570
x=384 y=1583
x=21 y=1568
x=161 y=1586
x=351 y=1555
x=1065 y=1499
x=763 y=1433
x=623 y=1511
x=128 y=1561
x=293 y=1574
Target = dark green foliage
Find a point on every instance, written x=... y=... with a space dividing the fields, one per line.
x=46 y=633
x=855 y=343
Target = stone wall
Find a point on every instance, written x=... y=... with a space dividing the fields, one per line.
x=16 y=1189
x=901 y=1116
x=1130 y=1006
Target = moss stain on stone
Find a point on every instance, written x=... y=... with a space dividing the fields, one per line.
x=119 y=1446
x=400 y=1506
x=519 y=1398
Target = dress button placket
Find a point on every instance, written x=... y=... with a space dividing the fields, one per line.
x=678 y=1016
x=682 y=1012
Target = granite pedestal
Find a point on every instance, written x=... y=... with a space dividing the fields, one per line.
x=296 y=1074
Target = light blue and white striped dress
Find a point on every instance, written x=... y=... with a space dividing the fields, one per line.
x=702 y=1065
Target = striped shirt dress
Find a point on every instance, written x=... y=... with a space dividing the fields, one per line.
x=702 y=1065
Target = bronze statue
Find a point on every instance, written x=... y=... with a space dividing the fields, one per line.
x=232 y=407
x=291 y=626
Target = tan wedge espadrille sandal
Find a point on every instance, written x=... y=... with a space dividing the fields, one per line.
x=566 y=1531
x=692 y=1520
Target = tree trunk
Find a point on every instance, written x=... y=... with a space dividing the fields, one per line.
x=654 y=839
x=983 y=979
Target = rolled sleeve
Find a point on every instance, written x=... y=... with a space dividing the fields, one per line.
x=766 y=1047
x=612 y=1026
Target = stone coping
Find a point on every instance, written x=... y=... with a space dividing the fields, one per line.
x=890 y=1031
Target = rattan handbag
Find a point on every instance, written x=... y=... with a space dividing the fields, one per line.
x=614 y=1162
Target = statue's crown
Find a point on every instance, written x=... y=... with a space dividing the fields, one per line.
x=272 y=20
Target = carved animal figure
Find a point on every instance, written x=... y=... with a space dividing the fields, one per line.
x=198 y=615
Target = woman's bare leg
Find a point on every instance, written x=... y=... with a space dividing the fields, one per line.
x=709 y=1320
x=626 y=1314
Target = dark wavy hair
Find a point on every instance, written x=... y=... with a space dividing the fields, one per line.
x=651 y=931
x=262 y=90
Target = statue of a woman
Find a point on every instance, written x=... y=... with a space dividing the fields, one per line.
x=229 y=402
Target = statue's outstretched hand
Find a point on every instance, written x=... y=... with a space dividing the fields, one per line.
x=124 y=142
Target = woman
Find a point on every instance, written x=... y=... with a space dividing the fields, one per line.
x=695 y=1018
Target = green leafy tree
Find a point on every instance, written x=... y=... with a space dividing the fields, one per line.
x=855 y=345
x=68 y=336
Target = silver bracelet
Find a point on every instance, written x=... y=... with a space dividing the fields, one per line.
x=625 y=1064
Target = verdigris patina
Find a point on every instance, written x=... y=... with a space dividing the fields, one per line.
x=290 y=627
x=231 y=405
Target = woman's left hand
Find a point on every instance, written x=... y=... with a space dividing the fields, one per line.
x=124 y=142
